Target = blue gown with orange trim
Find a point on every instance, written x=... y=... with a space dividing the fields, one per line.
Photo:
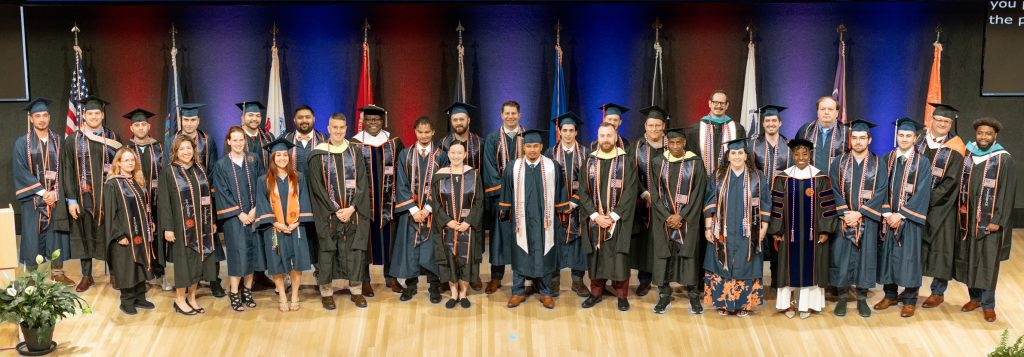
x=899 y=256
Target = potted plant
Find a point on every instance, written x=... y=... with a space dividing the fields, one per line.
x=35 y=303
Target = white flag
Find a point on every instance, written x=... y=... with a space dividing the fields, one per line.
x=275 y=101
x=748 y=110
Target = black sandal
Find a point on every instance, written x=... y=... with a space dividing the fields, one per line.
x=451 y=303
x=464 y=302
x=236 y=302
x=180 y=311
x=195 y=309
x=247 y=297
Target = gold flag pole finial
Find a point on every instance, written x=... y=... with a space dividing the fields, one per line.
x=841 y=30
x=750 y=32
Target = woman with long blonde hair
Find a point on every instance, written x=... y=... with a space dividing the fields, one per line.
x=129 y=230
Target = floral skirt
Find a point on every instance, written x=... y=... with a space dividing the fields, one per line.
x=732 y=294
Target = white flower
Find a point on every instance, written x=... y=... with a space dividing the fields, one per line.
x=12 y=292
x=39 y=259
x=29 y=290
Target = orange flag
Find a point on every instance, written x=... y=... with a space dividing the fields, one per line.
x=934 y=86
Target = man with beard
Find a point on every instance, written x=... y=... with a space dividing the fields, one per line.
x=987 y=187
x=459 y=119
x=607 y=199
x=255 y=135
x=946 y=152
x=859 y=181
x=706 y=138
x=380 y=152
x=305 y=138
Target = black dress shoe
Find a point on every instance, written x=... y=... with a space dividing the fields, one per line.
x=144 y=304
x=695 y=307
x=863 y=309
x=643 y=289
x=451 y=303
x=129 y=309
x=408 y=293
x=591 y=301
x=664 y=301
x=216 y=290
x=180 y=311
x=435 y=296
x=623 y=304
x=464 y=303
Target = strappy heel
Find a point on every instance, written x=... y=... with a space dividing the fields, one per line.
x=247 y=297
x=236 y=302
x=183 y=312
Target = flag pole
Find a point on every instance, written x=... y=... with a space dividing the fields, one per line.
x=462 y=71
x=657 y=63
x=177 y=86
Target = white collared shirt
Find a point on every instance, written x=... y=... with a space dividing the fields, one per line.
x=799 y=174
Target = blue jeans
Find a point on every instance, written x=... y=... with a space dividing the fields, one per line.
x=987 y=297
x=543 y=285
x=939 y=286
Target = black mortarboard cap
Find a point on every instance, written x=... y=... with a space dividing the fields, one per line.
x=612 y=108
x=907 y=124
x=770 y=110
x=190 y=109
x=534 y=136
x=568 y=118
x=861 y=125
x=251 y=106
x=656 y=112
x=281 y=144
x=93 y=103
x=38 y=105
x=138 y=115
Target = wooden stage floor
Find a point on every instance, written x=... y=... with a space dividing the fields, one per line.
x=389 y=327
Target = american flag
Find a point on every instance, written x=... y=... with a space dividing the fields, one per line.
x=79 y=90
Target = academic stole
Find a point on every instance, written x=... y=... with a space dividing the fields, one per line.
x=986 y=208
x=136 y=213
x=502 y=155
x=202 y=142
x=770 y=157
x=262 y=138
x=43 y=162
x=940 y=163
x=420 y=186
x=86 y=179
x=341 y=187
x=906 y=189
x=155 y=154
x=195 y=232
x=812 y=134
x=571 y=164
x=868 y=177
x=751 y=217
x=472 y=148
x=644 y=161
x=708 y=150
x=387 y=194
x=612 y=192
x=457 y=203
x=676 y=199
x=314 y=140
x=547 y=172
x=247 y=161
x=285 y=218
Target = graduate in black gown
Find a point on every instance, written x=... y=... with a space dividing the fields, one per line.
x=713 y=130
x=379 y=150
x=607 y=200
x=828 y=137
x=459 y=119
x=501 y=148
x=37 y=188
x=338 y=187
x=736 y=223
x=234 y=179
x=985 y=205
x=84 y=162
x=859 y=180
x=611 y=113
x=129 y=230
x=282 y=205
x=413 y=253
x=150 y=154
x=945 y=149
x=644 y=151
x=677 y=198
x=532 y=193
x=187 y=223
x=803 y=217
x=457 y=194
x=905 y=212
x=568 y=153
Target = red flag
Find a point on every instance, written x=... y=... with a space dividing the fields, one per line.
x=934 y=86
x=365 y=91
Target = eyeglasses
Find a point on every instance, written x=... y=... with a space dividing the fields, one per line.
x=717 y=103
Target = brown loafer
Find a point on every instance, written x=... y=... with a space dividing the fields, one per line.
x=933 y=301
x=367 y=290
x=884 y=304
x=516 y=300
x=580 y=289
x=549 y=302
x=328 y=302
x=492 y=287
x=63 y=279
x=394 y=285
x=476 y=285
x=359 y=300
x=990 y=315
x=84 y=284
x=908 y=310
x=643 y=289
x=971 y=306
